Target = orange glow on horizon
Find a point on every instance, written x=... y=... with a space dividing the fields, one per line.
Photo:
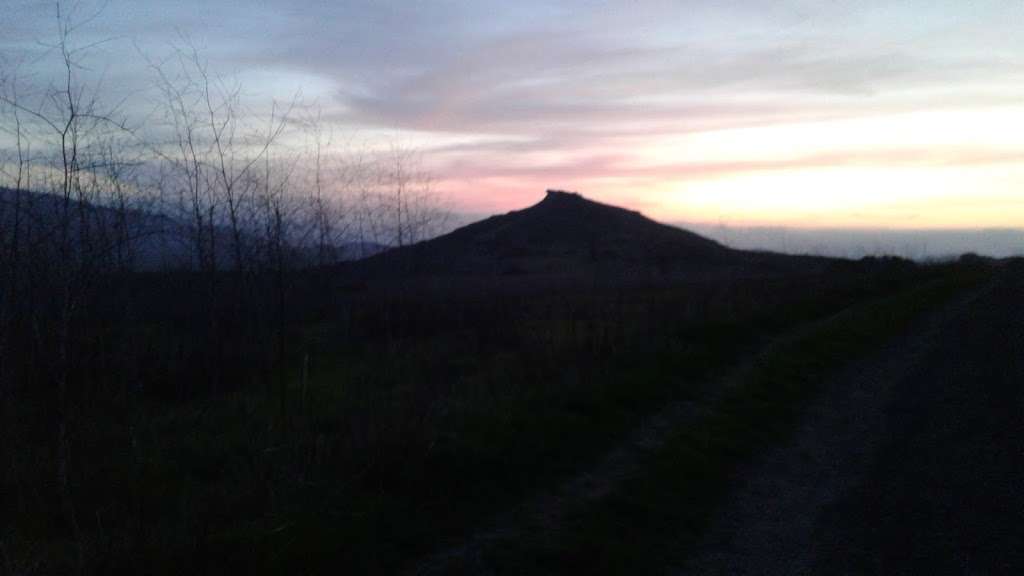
x=921 y=170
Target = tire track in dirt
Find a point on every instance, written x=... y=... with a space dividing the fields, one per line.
x=543 y=517
x=772 y=522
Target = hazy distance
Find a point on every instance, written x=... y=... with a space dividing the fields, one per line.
x=856 y=243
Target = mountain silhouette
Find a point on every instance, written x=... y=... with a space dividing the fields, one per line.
x=566 y=235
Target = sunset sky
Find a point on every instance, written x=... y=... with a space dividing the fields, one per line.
x=797 y=113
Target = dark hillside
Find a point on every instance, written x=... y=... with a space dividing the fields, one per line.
x=566 y=236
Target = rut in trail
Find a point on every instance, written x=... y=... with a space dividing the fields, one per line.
x=544 y=516
x=775 y=519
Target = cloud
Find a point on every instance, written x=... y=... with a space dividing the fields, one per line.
x=625 y=166
x=583 y=91
x=530 y=67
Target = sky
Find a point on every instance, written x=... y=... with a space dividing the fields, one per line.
x=796 y=113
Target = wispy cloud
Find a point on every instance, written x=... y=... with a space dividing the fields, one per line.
x=597 y=95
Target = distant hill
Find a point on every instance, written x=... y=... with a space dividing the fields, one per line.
x=158 y=241
x=566 y=235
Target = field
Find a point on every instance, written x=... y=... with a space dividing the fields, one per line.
x=395 y=423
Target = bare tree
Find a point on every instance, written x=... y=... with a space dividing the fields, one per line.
x=333 y=179
x=415 y=211
x=83 y=136
x=215 y=153
x=366 y=205
x=185 y=160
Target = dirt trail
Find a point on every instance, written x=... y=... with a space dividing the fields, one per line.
x=543 y=516
x=905 y=463
x=794 y=508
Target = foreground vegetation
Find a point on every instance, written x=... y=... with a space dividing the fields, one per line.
x=404 y=419
x=655 y=518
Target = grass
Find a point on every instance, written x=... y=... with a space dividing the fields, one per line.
x=652 y=520
x=401 y=439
